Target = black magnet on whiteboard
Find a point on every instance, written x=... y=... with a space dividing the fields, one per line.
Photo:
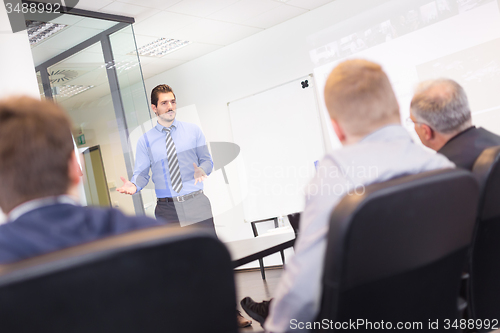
x=304 y=84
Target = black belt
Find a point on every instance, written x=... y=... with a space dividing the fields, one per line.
x=181 y=198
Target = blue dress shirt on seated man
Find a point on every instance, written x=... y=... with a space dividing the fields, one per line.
x=177 y=155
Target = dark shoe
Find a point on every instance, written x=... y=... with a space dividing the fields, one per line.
x=242 y=321
x=258 y=311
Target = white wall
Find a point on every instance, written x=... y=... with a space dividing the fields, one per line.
x=16 y=64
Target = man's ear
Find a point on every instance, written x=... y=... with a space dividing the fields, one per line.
x=154 y=108
x=74 y=171
x=338 y=131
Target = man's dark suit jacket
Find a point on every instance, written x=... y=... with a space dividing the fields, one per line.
x=465 y=147
x=57 y=226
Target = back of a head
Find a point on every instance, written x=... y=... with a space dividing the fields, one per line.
x=359 y=96
x=443 y=105
x=35 y=150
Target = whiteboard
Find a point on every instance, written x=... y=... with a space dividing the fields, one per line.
x=280 y=137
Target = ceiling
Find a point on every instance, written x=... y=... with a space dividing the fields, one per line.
x=208 y=24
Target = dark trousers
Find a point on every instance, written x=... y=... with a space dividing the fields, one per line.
x=195 y=212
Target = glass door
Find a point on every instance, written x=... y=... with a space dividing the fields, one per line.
x=98 y=81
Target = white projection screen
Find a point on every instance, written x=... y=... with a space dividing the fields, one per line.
x=416 y=40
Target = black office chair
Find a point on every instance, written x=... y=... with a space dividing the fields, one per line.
x=154 y=280
x=396 y=252
x=484 y=282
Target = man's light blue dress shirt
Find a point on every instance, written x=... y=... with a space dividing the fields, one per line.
x=384 y=154
x=151 y=154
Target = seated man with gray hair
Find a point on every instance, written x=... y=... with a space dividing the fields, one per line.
x=442 y=117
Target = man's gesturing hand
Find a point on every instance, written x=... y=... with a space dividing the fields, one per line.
x=128 y=187
x=199 y=174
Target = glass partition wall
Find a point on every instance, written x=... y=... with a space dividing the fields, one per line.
x=89 y=66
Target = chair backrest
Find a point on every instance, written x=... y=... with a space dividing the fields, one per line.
x=483 y=293
x=396 y=252
x=154 y=280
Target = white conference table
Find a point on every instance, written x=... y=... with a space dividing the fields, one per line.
x=247 y=250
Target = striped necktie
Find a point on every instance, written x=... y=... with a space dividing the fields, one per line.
x=173 y=164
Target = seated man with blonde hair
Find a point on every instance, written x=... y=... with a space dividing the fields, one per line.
x=365 y=116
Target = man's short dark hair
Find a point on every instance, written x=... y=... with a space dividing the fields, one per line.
x=162 y=88
x=35 y=150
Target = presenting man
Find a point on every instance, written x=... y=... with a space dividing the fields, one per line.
x=178 y=156
x=441 y=114
x=179 y=159
x=39 y=175
x=365 y=116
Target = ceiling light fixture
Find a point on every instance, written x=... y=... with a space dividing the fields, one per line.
x=69 y=90
x=39 y=31
x=160 y=47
